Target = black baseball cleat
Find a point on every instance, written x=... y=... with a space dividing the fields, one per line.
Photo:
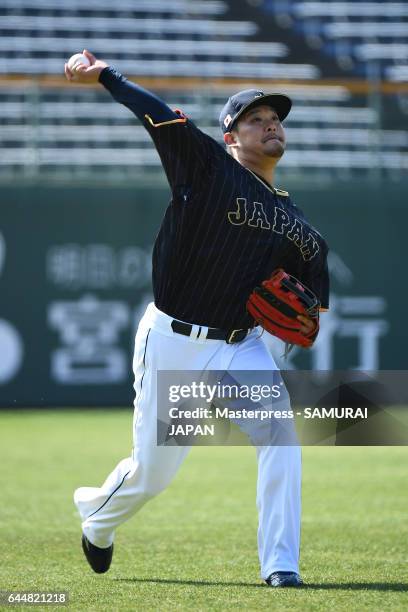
x=98 y=558
x=284 y=579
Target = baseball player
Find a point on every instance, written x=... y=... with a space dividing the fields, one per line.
x=226 y=229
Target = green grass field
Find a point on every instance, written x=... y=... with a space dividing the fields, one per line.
x=194 y=547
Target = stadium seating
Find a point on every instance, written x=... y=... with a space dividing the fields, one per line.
x=64 y=131
x=183 y=38
x=370 y=38
x=75 y=132
x=206 y=38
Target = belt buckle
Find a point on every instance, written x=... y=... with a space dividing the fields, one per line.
x=231 y=337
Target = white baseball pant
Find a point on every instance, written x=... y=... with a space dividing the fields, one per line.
x=151 y=468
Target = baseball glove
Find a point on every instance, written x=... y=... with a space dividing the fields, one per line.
x=277 y=303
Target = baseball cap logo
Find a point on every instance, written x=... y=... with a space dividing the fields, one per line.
x=227 y=120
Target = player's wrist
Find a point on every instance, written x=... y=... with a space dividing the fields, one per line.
x=103 y=70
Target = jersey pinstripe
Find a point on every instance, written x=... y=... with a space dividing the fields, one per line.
x=224 y=232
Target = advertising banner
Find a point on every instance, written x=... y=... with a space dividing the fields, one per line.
x=75 y=277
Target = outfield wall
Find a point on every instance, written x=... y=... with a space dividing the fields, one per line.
x=75 y=276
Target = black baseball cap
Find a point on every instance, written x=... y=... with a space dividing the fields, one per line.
x=248 y=98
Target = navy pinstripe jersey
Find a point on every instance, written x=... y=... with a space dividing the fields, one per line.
x=225 y=230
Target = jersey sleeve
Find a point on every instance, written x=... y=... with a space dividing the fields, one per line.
x=319 y=282
x=318 y=279
x=184 y=150
x=324 y=286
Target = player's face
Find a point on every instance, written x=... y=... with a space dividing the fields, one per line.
x=260 y=131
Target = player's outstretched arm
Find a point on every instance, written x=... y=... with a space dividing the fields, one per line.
x=184 y=153
x=140 y=101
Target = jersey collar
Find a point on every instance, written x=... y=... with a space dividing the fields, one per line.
x=261 y=180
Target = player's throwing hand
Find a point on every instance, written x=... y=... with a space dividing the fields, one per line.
x=85 y=74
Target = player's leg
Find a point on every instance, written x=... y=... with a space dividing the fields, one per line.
x=150 y=468
x=279 y=479
x=279 y=506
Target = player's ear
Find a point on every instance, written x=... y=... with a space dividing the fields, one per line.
x=230 y=139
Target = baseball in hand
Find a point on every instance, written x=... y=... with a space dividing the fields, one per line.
x=77 y=59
